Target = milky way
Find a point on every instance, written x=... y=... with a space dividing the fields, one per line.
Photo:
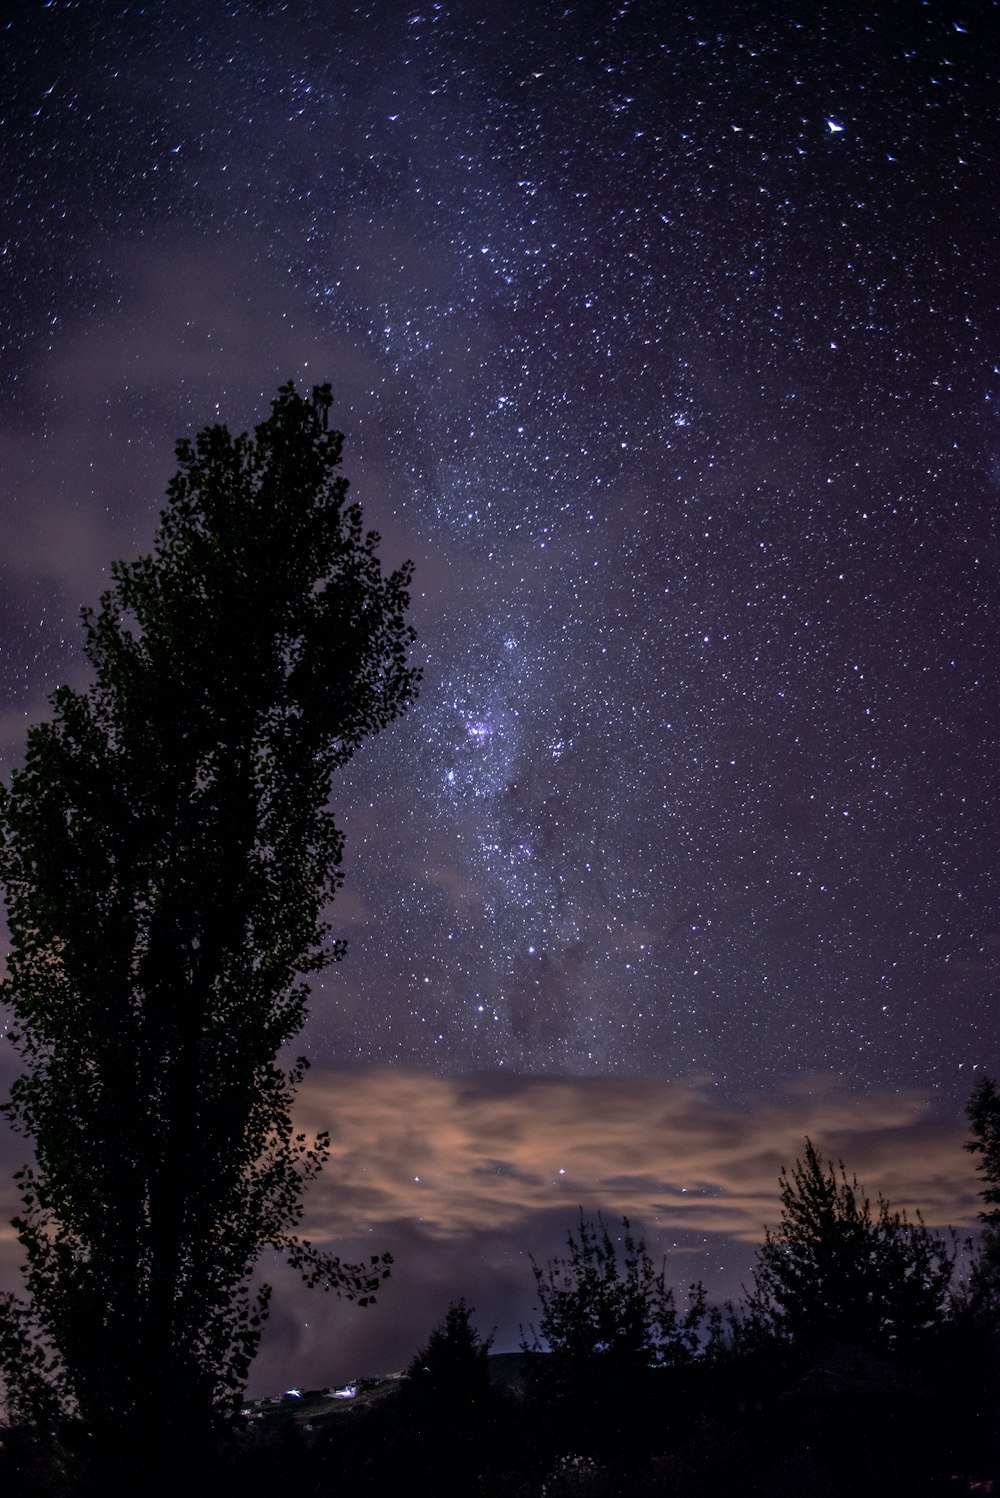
x=664 y=339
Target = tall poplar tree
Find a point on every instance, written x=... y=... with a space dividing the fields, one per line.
x=168 y=856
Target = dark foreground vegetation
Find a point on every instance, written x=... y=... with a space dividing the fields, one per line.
x=860 y=1364
x=836 y=1421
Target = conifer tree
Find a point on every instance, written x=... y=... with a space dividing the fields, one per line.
x=452 y=1367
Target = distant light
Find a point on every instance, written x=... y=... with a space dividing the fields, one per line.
x=834 y=128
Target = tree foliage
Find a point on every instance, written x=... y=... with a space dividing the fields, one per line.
x=839 y=1270
x=452 y=1368
x=168 y=856
x=607 y=1307
x=983 y=1113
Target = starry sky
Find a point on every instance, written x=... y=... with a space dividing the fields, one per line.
x=664 y=340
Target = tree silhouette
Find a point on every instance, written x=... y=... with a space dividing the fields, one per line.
x=168 y=856
x=617 y=1344
x=608 y=1307
x=838 y=1271
x=983 y=1113
x=452 y=1367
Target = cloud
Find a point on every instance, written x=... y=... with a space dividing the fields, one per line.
x=462 y=1156
x=696 y=1173
x=459 y=1155
x=464 y=1178
x=194 y=332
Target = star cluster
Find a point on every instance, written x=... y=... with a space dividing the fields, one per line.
x=664 y=340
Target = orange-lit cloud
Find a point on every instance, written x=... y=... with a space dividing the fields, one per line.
x=460 y=1156
x=696 y=1172
x=463 y=1155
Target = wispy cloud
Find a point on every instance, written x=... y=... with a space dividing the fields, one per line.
x=463 y=1177
x=460 y=1155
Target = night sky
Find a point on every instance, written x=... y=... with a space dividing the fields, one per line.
x=664 y=340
